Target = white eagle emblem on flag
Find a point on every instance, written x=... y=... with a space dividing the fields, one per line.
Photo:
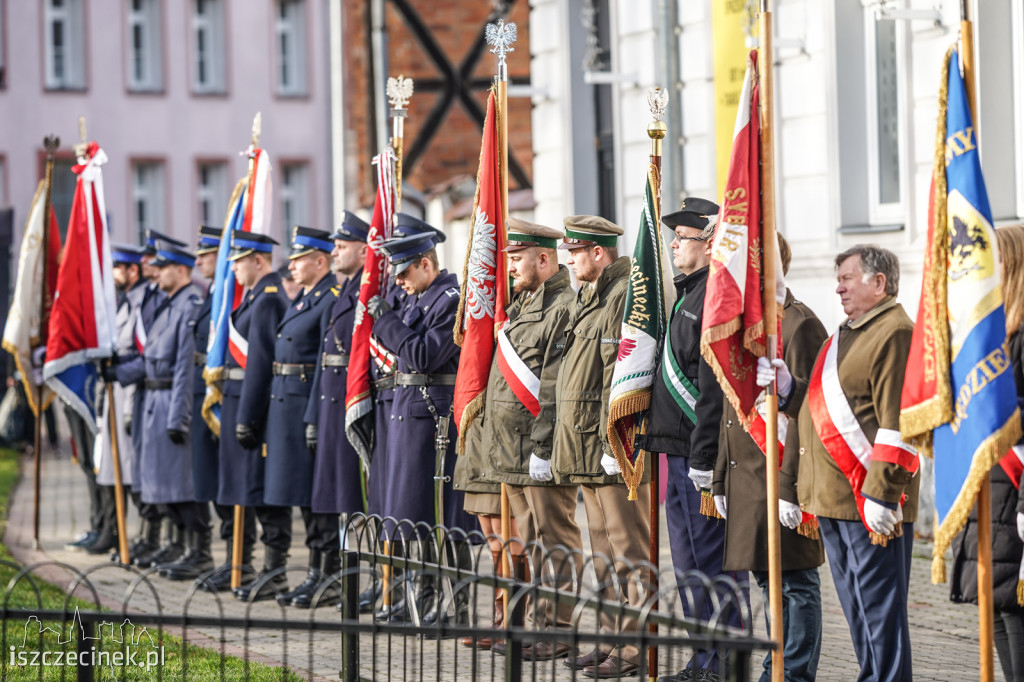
x=482 y=269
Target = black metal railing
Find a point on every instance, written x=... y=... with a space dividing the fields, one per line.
x=445 y=578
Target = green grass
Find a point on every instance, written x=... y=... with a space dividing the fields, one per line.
x=203 y=663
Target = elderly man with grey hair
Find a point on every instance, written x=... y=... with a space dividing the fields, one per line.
x=855 y=473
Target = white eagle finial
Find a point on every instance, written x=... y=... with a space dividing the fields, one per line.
x=399 y=91
x=500 y=37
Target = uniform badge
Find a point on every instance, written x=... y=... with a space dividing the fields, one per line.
x=300 y=305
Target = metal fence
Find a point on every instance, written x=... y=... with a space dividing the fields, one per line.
x=448 y=581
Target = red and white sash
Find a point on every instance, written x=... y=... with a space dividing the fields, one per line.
x=524 y=383
x=840 y=432
x=139 y=335
x=758 y=431
x=238 y=345
x=1013 y=464
x=384 y=358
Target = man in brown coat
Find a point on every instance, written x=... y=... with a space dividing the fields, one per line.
x=855 y=473
x=739 y=487
x=581 y=454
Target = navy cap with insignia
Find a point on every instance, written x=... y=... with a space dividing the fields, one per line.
x=152 y=237
x=309 y=239
x=352 y=228
x=209 y=239
x=125 y=253
x=407 y=225
x=169 y=254
x=695 y=212
x=245 y=243
x=403 y=251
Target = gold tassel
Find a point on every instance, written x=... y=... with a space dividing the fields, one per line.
x=809 y=530
x=879 y=539
x=1020 y=593
x=632 y=494
x=707 y=504
x=938 y=570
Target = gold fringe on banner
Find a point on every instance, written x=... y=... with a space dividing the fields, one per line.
x=809 y=529
x=473 y=410
x=214 y=394
x=625 y=406
x=1020 y=593
x=707 y=504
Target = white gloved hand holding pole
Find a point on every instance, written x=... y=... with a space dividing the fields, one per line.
x=775 y=369
x=701 y=478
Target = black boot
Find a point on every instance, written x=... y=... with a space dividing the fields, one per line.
x=368 y=597
x=399 y=589
x=104 y=542
x=146 y=542
x=197 y=560
x=169 y=552
x=274 y=559
x=331 y=594
x=308 y=585
x=220 y=580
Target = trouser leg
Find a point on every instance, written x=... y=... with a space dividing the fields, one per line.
x=277 y=526
x=801 y=623
x=1009 y=638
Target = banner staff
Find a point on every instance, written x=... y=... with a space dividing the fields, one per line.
x=239 y=526
x=769 y=246
x=399 y=91
x=986 y=612
x=51 y=144
x=500 y=37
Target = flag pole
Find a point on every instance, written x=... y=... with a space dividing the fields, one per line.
x=399 y=91
x=500 y=36
x=764 y=55
x=51 y=144
x=657 y=100
x=115 y=453
x=238 y=530
x=986 y=614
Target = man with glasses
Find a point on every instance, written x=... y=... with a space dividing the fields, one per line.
x=686 y=409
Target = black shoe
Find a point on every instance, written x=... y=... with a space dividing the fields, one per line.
x=220 y=580
x=103 y=543
x=196 y=561
x=327 y=589
x=368 y=597
x=305 y=588
x=397 y=612
x=269 y=590
x=82 y=541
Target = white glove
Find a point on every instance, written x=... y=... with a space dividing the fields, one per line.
x=899 y=514
x=701 y=478
x=540 y=469
x=880 y=519
x=1020 y=525
x=39 y=356
x=721 y=505
x=790 y=514
x=610 y=466
x=777 y=370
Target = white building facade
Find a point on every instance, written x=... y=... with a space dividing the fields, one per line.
x=169 y=89
x=856 y=85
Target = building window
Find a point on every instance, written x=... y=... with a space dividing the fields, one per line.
x=148 y=197
x=212 y=192
x=295 y=194
x=63 y=194
x=145 y=72
x=885 y=49
x=208 y=74
x=291 y=47
x=65 y=40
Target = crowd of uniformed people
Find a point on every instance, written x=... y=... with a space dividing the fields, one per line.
x=282 y=441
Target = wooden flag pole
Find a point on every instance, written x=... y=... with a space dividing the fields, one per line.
x=50 y=144
x=238 y=532
x=986 y=612
x=657 y=100
x=115 y=455
x=764 y=55
x=501 y=36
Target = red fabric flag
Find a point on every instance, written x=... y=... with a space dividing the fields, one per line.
x=484 y=281
x=359 y=400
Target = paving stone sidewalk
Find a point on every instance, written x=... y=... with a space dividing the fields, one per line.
x=944 y=635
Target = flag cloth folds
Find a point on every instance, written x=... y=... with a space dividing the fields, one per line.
x=644 y=325
x=977 y=421
x=82 y=322
x=484 y=281
x=733 y=334
x=29 y=314
x=250 y=210
x=358 y=397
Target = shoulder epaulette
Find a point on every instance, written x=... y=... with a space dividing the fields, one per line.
x=270 y=289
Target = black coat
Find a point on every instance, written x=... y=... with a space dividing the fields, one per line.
x=288 y=480
x=382 y=401
x=204 y=443
x=670 y=430
x=241 y=471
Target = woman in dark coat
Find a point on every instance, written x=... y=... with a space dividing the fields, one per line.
x=1007 y=502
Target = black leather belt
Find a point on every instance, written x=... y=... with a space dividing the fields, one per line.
x=333 y=360
x=402 y=379
x=288 y=369
x=234 y=374
x=384 y=384
x=158 y=384
x=198 y=358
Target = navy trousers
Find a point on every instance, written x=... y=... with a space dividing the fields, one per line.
x=697 y=543
x=801 y=623
x=873 y=582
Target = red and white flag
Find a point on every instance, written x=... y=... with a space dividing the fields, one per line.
x=734 y=334
x=484 y=287
x=358 y=398
x=83 y=320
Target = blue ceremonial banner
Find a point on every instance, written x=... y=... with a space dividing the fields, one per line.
x=983 y=420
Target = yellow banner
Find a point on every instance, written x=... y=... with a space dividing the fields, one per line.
x=730 y=22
